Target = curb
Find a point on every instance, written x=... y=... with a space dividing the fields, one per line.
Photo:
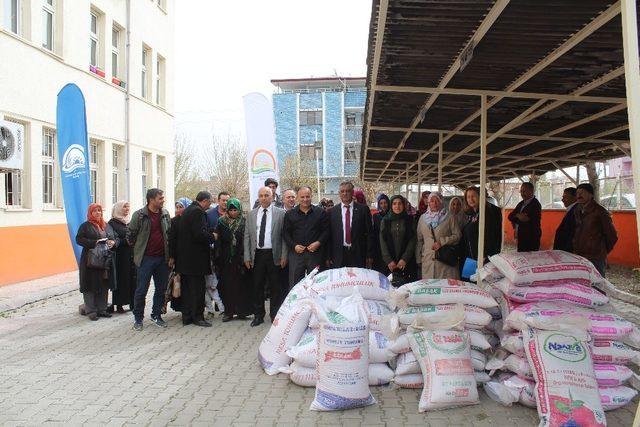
x=15 y=303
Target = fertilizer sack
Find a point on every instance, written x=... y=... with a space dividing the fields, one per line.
x=379 y=374
x=440 y=291
x=285 y=332
x=572 y=293
x=546 y=268
x=342 y=282
x=343 y=357
x=474 y=317
x=566 y=387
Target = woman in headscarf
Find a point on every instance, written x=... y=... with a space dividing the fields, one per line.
x=456 y=210
x=125 y=271
x=326 y=203
x=236 y=282
x=181 y=204
x=423 y=203
x=398 y=242
x=436 y=228
x=383 y=209
x=358 y=196
x=94 y=282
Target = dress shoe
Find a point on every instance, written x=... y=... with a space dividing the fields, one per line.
x=257 y=321
x=186 y=322
x=104 y=314
x=203 y=323
x=226 y=318
x=120 y=309
x=241 y=317
x=93 y=316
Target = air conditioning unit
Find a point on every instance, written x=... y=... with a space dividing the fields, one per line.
x=11 y=146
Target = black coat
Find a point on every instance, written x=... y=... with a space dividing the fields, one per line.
x=91 y=279
x=492 y=234
x=566 y=230
x=529 y=232
x=362 y=245
x=125 y=269
x=173 y=237
x=378 y=262
x=225 y=242
x=193 y=242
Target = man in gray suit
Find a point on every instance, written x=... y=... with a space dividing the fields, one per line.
x=265 y=252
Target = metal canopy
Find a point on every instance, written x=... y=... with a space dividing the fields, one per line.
x=552 y=74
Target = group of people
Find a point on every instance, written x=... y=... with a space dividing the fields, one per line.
x=221 y=257
x=586 y=228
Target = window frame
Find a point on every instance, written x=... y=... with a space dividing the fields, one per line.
x=94 y=168
x=144 y=72
x=115 y=51
x=144 y=174
x=94 y=38
x=50 y=10
x=48 y=161
x=10 y=20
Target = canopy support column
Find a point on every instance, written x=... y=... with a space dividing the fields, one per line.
x=440 y=144
x=483 y=179
x=632 y=80
x=419 y=180
x=406 y=185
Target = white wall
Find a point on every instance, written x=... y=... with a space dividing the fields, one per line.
x=30 y=81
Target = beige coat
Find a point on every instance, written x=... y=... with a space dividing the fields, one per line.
x=447 y=233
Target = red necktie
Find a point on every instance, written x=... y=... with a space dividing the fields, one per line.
x=347 y=225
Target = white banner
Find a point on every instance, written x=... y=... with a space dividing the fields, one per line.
x=261 y=142
x=11 y=146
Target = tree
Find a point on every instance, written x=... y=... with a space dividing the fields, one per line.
x=225 y=167
x=592 y=175
x=294 y=174
x=186 y=182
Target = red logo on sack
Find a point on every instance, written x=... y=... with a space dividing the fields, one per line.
x=353 y=355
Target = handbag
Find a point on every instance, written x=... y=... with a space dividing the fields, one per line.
x=470 y=266
x=447 y=254
x=99 y=257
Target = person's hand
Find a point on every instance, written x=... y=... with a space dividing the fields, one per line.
x=392 y=265
x=436 y=246
x=283 y=263
x=522 y=217
x=110 y=243
x=299 y=249
x=369 y=263
x=402 y=264
x=247 y=264
x=215 y=236
x=313 y=247
x=171 y=262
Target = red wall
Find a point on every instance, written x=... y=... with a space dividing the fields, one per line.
x=625 y=252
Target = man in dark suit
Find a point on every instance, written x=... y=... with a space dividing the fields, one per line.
x=351 y=232
x=567 y=228
x=192 y=259
x=526 y=218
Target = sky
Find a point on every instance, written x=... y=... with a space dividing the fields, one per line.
x=226 y=49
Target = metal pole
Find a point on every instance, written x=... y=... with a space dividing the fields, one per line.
x=318 y=172
x=419 y=179
x=406 y=184
x=440 y=141
x=632 y=80
x=483 y=179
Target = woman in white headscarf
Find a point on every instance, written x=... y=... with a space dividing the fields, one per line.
x=436 y=228
x=125 y=275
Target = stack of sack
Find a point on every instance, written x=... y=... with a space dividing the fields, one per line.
x=327 y=335
x=561 y=348
x=429 y=300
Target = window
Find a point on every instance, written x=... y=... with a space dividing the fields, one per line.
x=13 y=188
x=115 y=52
x=351 y=153
x=116 y=165
x=308 y=152
x=94 y=178
x=94 y=40
x=11 y=14
x=160 y=172
x=160 y=80
x=48 y=12
x=144 y=91
x=49 y=179
x=144 y=172
x=311 y=117
x=15 y=185
x=353 y=119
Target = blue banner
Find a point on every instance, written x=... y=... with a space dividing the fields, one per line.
x=73 y=155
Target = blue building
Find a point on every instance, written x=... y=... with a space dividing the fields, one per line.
x=318 y=121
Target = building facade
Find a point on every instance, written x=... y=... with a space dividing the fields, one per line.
x=318 y=122
x=120 y=54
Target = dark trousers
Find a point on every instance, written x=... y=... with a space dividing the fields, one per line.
x=266 y=275
x=302 y=264
x=95 y=301
x=192 y=290
x=600 y=265
x=528 y=244
x=349 y=259
x=156 y=267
